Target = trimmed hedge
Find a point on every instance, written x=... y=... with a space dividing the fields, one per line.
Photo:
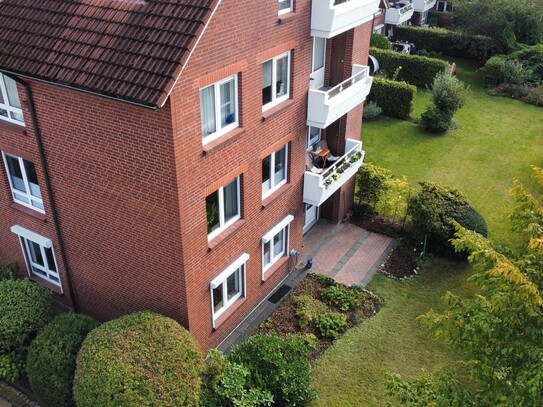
x=447 y=42
x=51 y=358
x=418 y=71
x=279 y=365
x=9 y=271
x=395 y=98
x=141 y=359
x=25 y=308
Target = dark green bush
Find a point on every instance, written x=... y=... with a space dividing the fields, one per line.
x=341 y=297
x=442 y=19
x=448 y=93
x=141 y=359
x=395 y=98
x=447 y=42
x=279 y=365
x=534 y=96
x=226 y=383
x=25 y=308
x=416 y=70
x=431 y=211
x=492 y=71
x=324 y=279
x=379 y=41
x=531 y=57
x=331 y=324
x=9 y=271
x=435 y=121
x=51 y=358
x=372 y=111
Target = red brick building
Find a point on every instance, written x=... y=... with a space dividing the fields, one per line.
x=159 y=154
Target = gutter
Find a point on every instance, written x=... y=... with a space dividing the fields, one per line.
x=48 y=186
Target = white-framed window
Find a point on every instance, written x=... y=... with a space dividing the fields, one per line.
x=228 y=287
x=275 y=244
x=10 y=104
x=285 y=6
x=274 y=170
x=313 y=136
x=38 y=254
x=23 y=182
x=219 y=108
x=275 y=80
x=223 y=208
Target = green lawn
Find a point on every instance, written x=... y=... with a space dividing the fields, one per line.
x=495 y=141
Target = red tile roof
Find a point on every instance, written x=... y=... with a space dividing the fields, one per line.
x=131 y=50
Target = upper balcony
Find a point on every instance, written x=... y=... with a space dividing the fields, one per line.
x=423 y=5
x=399 y=12
x=332 y=17
x=319 y=187
x=325 y=106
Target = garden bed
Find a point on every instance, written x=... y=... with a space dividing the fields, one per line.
x=286 y=317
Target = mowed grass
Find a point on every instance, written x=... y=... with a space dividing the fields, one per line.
x=496 y=140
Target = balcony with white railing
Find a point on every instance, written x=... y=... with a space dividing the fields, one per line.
x=423 y=5
x=332 y=17
x=325 y=106
x=399 y=12
x=319 y=187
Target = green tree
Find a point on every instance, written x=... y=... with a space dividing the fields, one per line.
x=500 y=331
x=507 y=21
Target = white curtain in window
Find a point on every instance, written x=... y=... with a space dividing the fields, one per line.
x=231 y=200
x=267 y=74
x=282 y=79
x=207 y=110
x=13 y=95
x=318 y=53
x=227 y=103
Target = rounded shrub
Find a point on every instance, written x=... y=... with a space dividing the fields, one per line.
x=435 y=121
x=535 y=96
x=448 y=93
x=372 y=110
x=141 y=359
x=279 y=365
x=51 y=358
x=379 y=41
x=431 y=211
x=25 y=308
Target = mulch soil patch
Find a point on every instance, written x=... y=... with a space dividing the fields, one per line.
x=401 y=263
x=283 y=321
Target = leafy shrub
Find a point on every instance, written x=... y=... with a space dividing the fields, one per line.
x=9 y=271
x=416 y=70
x=12 y=365
x=492 y=71
x=514 y=72
x=431 y=211
x=447 y=42
x=341 y=297
x=226 y=384
x=331 y=324
x=395 y=98
x=534 y=96
x=308 y=309
x=288 y=378
x=371 y=182
x=379 y=41
x=372 y=111
x=141 y=359
x=532 y=57
x=25 y=308
x=435 y=121
x=324 y=279
x=51 y=357
x=448 y=93
x=442 y=19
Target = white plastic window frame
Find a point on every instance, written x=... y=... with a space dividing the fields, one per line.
x=286 y=9
x=315 y=139
x=220 y=131
x=277 y=100
x=223 y=225
x=275 y=186
x=6 y=105
x=27 y=192
x=238 y=266
x=282 y=227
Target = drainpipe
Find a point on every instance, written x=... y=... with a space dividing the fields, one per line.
x=48 y=187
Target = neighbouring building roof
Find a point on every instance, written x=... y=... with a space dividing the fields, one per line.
x=131 y=50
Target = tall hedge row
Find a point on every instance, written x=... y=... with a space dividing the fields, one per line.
x=418 y=71
x=447 y=42
x=395 y=98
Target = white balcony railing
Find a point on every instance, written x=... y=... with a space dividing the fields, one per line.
x=325 y=106
x=399 y=12
x=332 y=17
x=423 y=5
x=319 y=187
